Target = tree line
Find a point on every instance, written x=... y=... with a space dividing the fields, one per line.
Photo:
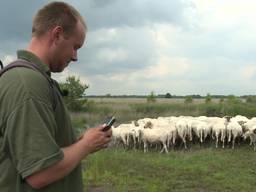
x=73 y=91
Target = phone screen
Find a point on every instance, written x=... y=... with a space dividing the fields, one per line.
x=109 y=122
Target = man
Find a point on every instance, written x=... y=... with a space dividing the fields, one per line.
x=38 y=148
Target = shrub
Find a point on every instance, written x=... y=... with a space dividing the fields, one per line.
x=168 y=95
x=151 y=98
x=208 y=98
x=251 y=99
x=188 y=100
x=74 y=93
x=233 y=100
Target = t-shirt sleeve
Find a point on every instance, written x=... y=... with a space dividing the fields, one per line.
x=30 y=136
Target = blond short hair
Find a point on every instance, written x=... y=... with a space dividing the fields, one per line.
x=56 y=14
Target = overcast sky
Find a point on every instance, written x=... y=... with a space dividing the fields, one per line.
x=134 y=47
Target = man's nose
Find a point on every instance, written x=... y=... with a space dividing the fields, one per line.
x=74 y=56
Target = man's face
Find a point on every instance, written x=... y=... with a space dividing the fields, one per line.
x=66 y=49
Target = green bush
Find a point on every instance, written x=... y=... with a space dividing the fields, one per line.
x=251 y=99
x=213 y=110
x=151 y=98
x=188 y=100
x=75 y=92
x=208 y=98
x=233 y=100
x=221 y=100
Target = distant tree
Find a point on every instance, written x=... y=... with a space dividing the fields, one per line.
x=74 y=91
x=108 y=95
x=196 y=96
x=168 y=95
x=188 y=99
x=151 y=98
x=208 y=98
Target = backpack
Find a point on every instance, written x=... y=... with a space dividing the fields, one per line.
x=29 y=65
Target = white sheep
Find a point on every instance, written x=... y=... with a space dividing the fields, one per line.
x=219 y=130
x=251 y=133
x=154 y=136
x=234 y=130
x=182 y=130
x=123 y=133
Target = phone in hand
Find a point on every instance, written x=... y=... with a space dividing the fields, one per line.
x=109 y=122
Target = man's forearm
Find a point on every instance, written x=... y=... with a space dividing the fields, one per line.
x=91 y=141
x=72 y=156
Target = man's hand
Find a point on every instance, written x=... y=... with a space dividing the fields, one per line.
x=95 y=139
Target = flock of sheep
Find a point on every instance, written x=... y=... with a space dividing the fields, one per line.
x=167 y=131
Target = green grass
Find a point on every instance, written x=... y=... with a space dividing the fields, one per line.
x=199 y=169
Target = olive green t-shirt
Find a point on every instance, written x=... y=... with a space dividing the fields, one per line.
x=32 y=129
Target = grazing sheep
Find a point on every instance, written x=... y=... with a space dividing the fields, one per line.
x=251 y=133
x=164 y=131
x=219 y=130
x=122 y=133
x=154 y=136
x=201 y=129
x=240 y=118
x=234 y=130
x=182 y=130
x=135 y=132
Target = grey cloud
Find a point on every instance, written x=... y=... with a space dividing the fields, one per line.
x=136 y=44
x=213 y=44
x=16 y=16
x=16 y=19
x=134 y=13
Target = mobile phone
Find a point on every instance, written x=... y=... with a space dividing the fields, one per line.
x=109 y=122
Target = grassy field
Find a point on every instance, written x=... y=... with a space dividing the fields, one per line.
x=197 y=169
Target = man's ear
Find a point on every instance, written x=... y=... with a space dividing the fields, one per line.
x=57 y=34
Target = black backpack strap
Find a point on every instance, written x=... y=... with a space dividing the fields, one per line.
x=1 y=64
x=29 y=65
